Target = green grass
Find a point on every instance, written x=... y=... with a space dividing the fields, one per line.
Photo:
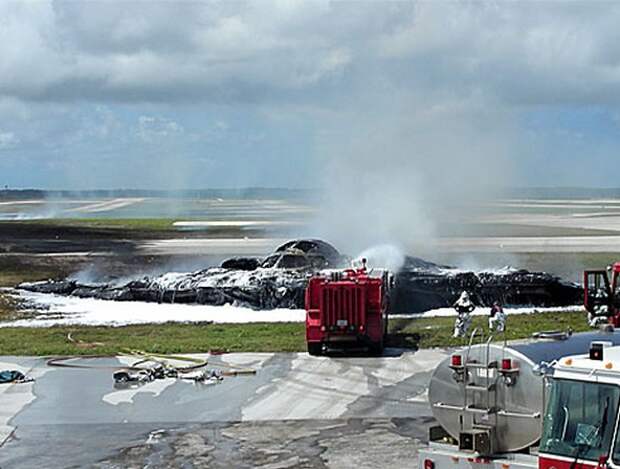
x=437 y=332
x=259 y=337
x=121 y=228
x=8 y=308
x=139 y=224
x=17 y=269
x=11 y=276
x=155 y=338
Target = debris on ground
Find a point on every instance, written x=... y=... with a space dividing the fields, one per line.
x=14 y=376
x=150 y=367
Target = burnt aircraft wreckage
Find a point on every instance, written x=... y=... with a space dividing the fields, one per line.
x=279 y=281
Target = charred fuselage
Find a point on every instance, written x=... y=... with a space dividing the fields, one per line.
x=280 y=279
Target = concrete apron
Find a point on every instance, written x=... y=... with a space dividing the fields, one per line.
x=286 y=387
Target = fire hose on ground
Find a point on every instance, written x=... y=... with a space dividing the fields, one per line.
x=153 y=366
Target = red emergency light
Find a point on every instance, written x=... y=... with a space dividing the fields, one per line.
x=506 y=364
x=596 y=351
x=456 y=360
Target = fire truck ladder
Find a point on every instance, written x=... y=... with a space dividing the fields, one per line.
x=479 y=377
x=479 y=394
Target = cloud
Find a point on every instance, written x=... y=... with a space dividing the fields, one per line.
x=151 y=129
x=8 y=140
x=124 y=51
x=551 y=52
x=304 y=87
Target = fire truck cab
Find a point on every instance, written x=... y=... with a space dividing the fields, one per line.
x=602 y=294
x=347 y=309
x=580 y=424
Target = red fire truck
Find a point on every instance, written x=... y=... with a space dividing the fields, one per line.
x=602 y=294
x=347 y=309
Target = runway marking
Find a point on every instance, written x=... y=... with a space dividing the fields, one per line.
x=107 y=205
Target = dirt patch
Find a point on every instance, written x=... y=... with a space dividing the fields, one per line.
x=11 y=308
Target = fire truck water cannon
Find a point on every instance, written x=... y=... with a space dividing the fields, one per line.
x=348 y=309
x=547 y=404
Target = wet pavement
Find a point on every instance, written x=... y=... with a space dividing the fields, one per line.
x=297 y=411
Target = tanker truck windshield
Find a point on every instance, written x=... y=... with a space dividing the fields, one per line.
x=580 y=419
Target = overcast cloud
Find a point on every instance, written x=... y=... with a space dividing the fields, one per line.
x=236 y=93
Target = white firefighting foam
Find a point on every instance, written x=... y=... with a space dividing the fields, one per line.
x=52 y=310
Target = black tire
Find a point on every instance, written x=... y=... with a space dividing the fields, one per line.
x=315 y=349
x=386 y=322
x=376 y=349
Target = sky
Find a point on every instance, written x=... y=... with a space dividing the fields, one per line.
x=300 y=94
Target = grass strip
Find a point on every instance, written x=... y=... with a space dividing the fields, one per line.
x=437 y=332
x=256 y=337
x=154 y=338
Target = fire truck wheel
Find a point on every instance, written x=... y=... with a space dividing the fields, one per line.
x=315 y=349
x=376 y=349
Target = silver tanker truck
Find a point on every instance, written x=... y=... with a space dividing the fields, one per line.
x=490 y=400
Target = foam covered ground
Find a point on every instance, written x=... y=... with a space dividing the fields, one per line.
x=50 y=310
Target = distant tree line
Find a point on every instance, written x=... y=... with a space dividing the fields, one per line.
x=244 y=193
x=19 y=194
x=289 y=194
x=560 y=193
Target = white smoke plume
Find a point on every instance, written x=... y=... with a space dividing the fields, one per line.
x=397 y=175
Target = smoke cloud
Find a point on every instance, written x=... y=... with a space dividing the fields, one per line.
x=399 y=175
